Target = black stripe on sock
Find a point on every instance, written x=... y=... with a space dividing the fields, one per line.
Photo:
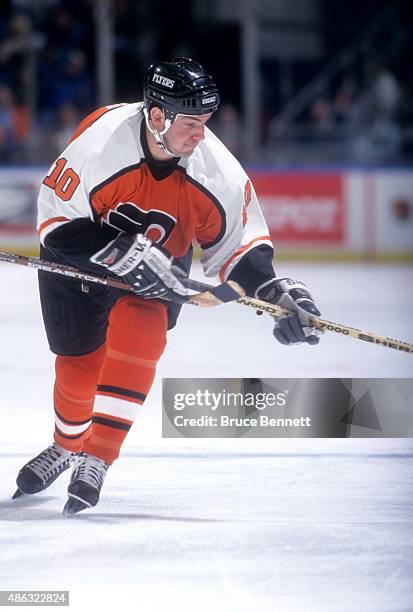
x=71 y=422
x=121 y=391
x=110 y=423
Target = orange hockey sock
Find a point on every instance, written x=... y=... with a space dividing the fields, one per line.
x=136 y=339
x=74 y=392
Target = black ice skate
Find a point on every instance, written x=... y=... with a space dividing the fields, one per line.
x=85 y=483
x=40 y=472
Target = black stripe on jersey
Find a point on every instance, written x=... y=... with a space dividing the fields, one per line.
x=123 y=223
x=121 y=391
x=74 y=242
x=129 y=218
x=109 y=423
x=254 y=268
x=132 y=212
x=216 y=203
x=70 y=437
x=106 y=182
x=71 y=422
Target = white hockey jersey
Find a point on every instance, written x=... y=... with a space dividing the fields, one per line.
x=107 y=174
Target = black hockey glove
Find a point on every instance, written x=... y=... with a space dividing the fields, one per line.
x=143 y=265
x=293 y=328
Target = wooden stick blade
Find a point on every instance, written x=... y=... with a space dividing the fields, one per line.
x=221 y=294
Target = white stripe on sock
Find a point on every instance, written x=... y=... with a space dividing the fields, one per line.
x=71 y=429
x=114 y=406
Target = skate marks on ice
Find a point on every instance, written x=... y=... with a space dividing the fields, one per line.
x=116 y=517
x=26 y=508
x=269 y=528
x=30 y=508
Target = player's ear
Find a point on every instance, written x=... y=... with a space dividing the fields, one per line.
x=157 y=118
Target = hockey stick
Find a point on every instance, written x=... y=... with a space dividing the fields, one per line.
x=206 y=298
x=85 y=277
x=321 y=324
x=50 y=266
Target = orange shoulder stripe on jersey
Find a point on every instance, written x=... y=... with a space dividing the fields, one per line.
x=90 y=119
x=238 y=253
x=49 y=222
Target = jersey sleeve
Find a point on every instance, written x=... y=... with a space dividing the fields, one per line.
x=67 y=190
x=235 y=225
x=63 y=194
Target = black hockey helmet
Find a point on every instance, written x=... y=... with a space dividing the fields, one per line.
x=180 y=86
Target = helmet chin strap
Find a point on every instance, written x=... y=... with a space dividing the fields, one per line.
x=159 y=136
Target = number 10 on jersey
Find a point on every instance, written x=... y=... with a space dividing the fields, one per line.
x=64 y=181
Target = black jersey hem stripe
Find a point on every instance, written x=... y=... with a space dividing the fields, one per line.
x=109 y=423
x=216 y=203
x=121 y=391
x=66 y=422
x=106 y=182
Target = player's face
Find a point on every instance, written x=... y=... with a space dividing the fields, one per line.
x=185 y=133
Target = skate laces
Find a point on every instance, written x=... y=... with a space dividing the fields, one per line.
x=91 y=470
x=50 y=461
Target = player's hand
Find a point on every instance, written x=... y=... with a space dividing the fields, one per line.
x=293 y=328
x=143 y=265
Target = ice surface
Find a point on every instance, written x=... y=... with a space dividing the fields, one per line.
x=234 y=525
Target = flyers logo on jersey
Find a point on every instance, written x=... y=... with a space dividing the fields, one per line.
x=129 y=217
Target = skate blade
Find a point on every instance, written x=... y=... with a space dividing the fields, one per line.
x=18 y=493
x=73 y=506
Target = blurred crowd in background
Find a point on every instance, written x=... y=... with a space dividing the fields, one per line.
x=362 y=114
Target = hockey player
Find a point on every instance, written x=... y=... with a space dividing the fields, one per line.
x=136 y=185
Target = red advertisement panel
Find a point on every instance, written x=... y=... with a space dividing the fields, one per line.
x=302 y=207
